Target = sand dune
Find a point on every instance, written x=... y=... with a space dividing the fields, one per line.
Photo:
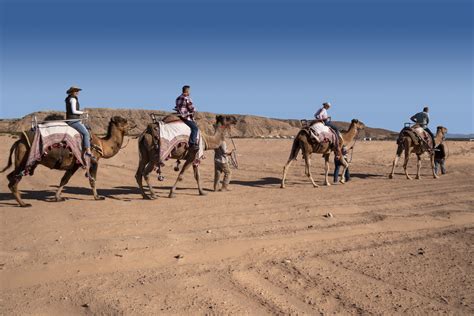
x=392 y=246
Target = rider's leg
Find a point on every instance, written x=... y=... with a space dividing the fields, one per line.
x=86 y=142
x=194 y=131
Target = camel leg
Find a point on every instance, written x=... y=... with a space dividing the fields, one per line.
x=14 y=177
x=418 y=167
x=139 y=177
x=395 y=161
x=13 y=180
x=185 y=167
x=146 y=175
x=64 y=181
x=405 y=163
x=285 y=172
x=433 y=167
x=307 y=161
x=197 y=176
x=92 y=181
x=326 y=170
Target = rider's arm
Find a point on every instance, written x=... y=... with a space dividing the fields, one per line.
x=74 y=109
x=413 y=118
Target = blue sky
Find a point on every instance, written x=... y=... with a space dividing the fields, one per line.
x=378 y=61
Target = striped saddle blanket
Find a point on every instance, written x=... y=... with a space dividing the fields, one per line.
x=54 y=135
x=176 y=134
x=322 y=133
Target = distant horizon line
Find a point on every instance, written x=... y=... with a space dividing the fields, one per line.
x=454 y=135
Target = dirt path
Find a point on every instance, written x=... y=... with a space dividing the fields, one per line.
x=392 y=246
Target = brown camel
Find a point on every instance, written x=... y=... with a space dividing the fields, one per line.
x=406 y=144
x=60 y=158
x=149 y=155
x=304 y=143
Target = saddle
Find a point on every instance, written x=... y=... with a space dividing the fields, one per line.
x=51 y=135
x=169 y=133
x=320 y=133
x=418 y=136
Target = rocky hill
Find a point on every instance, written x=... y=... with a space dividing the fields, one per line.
x=248 y=126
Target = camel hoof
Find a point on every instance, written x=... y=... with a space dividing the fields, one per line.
x=327 y=184
x=25 y=205
x=172 y=195
x=435 y=177
x=342 y=181
x=390 y=176
x=60 y=199
x=409 y=178
x=99 y=198
x=202 y=193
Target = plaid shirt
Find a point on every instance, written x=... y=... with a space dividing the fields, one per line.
x=184 y=106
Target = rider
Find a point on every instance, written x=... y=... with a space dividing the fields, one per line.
x=423 y=119
x=73 y=115
x=186 y=110
x=321 y=115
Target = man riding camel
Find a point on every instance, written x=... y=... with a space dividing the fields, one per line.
x=73 y=115
x=185 y=109
x=423 y=119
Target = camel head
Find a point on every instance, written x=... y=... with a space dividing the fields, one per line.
x=358 y=124
x=119 y=123
x=442 y=130
x=225 y=120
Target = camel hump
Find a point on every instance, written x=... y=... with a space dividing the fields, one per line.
x=171 y=118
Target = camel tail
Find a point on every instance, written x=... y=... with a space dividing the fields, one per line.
x=10 y=160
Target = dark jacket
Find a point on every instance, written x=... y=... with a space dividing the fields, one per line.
x=69 y=114
x=440 y=152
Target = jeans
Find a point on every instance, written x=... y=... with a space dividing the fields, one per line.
x=329 y=124
x=431 y=133
x=86 y=137
x=194 y=131
x=337 y=166
x=440 y=163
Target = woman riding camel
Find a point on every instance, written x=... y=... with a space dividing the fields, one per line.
x=73 y=115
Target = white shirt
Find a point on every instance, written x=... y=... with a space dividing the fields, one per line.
x=321 y=114
x=74 y=109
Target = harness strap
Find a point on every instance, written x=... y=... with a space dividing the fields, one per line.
x=27 y=139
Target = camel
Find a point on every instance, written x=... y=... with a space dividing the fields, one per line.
x=304 y=143
x=60 y=158
x=406 y=144
x=149 y=155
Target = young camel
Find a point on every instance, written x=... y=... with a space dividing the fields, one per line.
x=407 y=145
x=61 y=159
x=304 y=142
x=149 y=155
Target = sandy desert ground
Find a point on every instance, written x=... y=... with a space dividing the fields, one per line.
x=391 y=247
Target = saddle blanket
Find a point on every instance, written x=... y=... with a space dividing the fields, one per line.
x=323 y=133
x=172 y=135
x=54 y=134
x=417 y=134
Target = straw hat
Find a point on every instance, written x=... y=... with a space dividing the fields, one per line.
x=73 y=89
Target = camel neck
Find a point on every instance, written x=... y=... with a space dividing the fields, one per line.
x=439 y=137
x=214 y=141
x=350 y=134
x=112 y=143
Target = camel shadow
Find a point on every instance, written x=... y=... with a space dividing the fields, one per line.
x=260 y=183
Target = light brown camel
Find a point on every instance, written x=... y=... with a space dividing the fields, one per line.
x=60 y=158
x=149 y=155
x=304 y=143
x=406 y=144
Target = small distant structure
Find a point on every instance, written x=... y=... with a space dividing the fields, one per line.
x=367 y=139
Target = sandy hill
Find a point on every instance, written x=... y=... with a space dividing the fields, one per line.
x=248 y=126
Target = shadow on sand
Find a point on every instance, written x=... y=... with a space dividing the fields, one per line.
x=263 y=182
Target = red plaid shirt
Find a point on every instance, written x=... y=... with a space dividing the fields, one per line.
x=184 y=106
